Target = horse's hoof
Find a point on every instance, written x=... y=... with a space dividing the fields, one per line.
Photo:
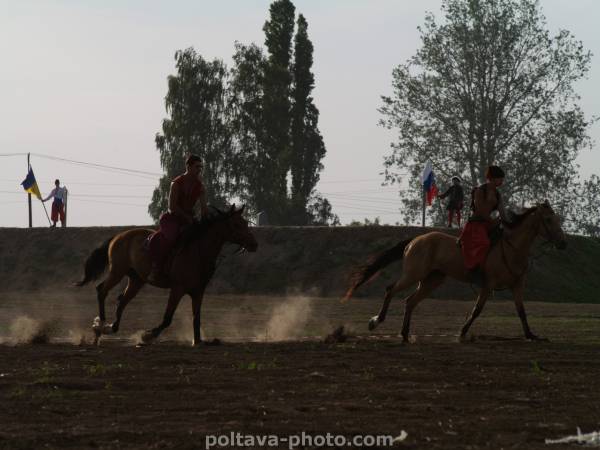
x=97 y=325
x=107 y=329
x=533 y=337
x=148 y=337
x=373 y=323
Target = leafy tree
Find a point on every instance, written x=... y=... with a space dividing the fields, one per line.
x=489 y=85
x=195 y=103
x=320 y=212
x=367 y=223
x=581 y=205
x=276 y=110
x=250 y=173
x=308 y=148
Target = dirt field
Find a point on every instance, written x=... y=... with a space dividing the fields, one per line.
x=497 y=391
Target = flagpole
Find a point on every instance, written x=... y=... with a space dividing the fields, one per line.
x=47 y=216
x=424 y=205
x=29 y=195
x=66 y=197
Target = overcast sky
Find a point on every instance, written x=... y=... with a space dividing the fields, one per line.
x=86 y=80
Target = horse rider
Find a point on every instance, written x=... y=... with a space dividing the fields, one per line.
x=455 y=200
x=186 y=190
x=474 y=239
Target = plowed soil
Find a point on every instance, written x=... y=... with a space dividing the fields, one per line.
x=271 y=373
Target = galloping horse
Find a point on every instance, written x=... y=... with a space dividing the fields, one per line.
x=191 y=268
x=431 y=257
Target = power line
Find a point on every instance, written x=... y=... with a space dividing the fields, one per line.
x=107 y=196
x=85 y=183
x=99 y=166
x=83 y=195
x=109 y=203
x=363 y=209
x=336 y=198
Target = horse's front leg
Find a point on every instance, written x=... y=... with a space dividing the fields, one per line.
x=518 y=297
x=133 y=287
x=481 y=299
x=174 y=299
x=196 y=306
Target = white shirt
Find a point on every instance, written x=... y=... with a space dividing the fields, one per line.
x=59 y=193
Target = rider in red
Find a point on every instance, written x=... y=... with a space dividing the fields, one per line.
x=186 y=190
x=475 y=241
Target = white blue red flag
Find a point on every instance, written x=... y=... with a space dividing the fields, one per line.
x=428 y=180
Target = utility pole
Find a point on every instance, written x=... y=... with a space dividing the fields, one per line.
x=29 y=196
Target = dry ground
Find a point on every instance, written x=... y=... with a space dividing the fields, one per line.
x=497 y=391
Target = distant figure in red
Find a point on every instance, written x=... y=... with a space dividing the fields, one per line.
x=186 y=190
x=59 y=194
x=475 y=241
x=455 y=201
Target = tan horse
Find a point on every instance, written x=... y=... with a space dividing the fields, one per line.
x=192 y=267
x=431 y=257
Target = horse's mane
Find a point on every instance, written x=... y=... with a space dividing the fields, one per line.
x=199 y=227
x=516 y=219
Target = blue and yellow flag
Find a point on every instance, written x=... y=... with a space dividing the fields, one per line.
x=30 y=185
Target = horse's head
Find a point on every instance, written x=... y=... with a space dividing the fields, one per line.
x=550 y=228
x=237 y=230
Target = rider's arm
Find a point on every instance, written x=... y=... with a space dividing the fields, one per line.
x=445 y=194
x=50 y=195
x=203 y=204
x=174 y=206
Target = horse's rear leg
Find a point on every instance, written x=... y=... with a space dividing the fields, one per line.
x=134 y=285
x=102 y=291
x=196 y=306
x=426 y=287
x=481 y=299
x=174 y=299
x=405 y=281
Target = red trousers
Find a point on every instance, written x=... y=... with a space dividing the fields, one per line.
x=475 y=243
x=163 y=240
x=451 y=213
x=58 y=211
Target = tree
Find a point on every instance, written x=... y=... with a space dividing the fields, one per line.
x=489 y=85
x=250 y=170
x=278 y=30
x=320 y=212
x=583 y=214
x=195 y=103
x=307 y=146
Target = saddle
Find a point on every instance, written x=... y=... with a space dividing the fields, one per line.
x=495 y=235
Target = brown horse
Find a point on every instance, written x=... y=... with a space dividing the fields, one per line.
x=431 y=257
x=192 y=266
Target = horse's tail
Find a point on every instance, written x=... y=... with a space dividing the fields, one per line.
x=367 y=272
x=96 y=263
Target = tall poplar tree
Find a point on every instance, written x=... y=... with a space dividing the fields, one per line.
x=307 y=147
x=276 y=111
